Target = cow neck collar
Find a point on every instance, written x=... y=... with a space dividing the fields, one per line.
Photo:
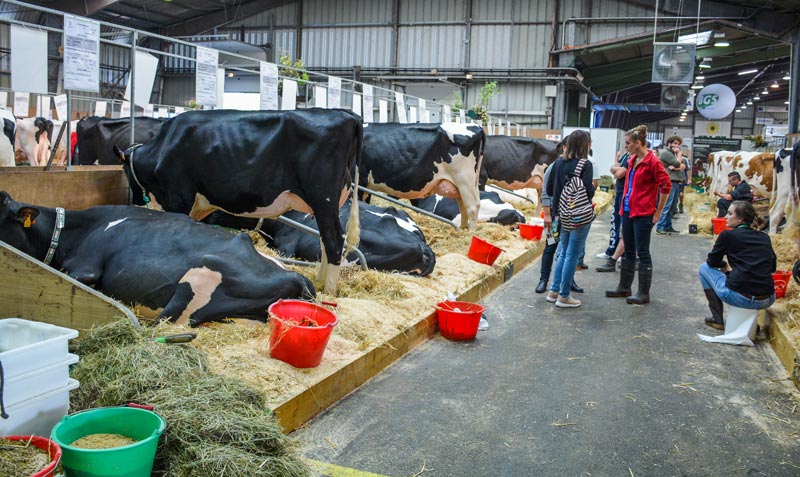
x=145 y=197
x=59 y=225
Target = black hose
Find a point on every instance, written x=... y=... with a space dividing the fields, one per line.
x=3 y=413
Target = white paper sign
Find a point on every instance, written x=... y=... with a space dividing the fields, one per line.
x=463 y=115
x=221 y=90
x=146 y=67
x=765 y=120
x=125 y=109
x=426 y=116
x=3 y=99
x=180 y=110
x=269 y=86
x=401 y=107
x=81 y=54
x=100 y=108
x=422 y=109
x=334 y=92
x=28 y=60
x=43 y=107
x=148 y=110
x=289 y=97
x=61 y=106
x=383 y=111
x=357 y=104
x=21 y=104
x=320 y=97
x=205 y=79
x=446 y=114
x=368 y=102
x=412 y=114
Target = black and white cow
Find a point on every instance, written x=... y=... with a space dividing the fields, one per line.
x=7 y=139
x=785 y=183
x=32 y=136
x=516 y=162
x=492 y=209
x=97 y=136
x=255 y=164
x=389 y=238
x=194 y=271
x=412 y=161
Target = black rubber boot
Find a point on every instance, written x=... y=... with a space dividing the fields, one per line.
x=642 y=296
x=575 y=287
x=541 y=287
x=625 y=279
x=610 y=266
x=715 y=305
x=680 y=208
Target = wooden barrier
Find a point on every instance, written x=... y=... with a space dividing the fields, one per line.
x=75 y=189
x=35 y=291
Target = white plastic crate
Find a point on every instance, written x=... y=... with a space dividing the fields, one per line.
x=38 y=381
x=29 y=345
x=38 y=415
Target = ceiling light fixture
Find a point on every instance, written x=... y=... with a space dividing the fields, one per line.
x=738 y=110
x=786 y=77
x=719 y=40
x=775 y=85
x=700 y=77
x=749 y=103
x=786 y=102
x=747 y=72
x=697 y=86
x=468 y=76
x=765 y=92
x=230 y=74
x=756 y=98
x=706 y=63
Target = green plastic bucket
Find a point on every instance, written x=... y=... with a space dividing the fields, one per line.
x=135 y=460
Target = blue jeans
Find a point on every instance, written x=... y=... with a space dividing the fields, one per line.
x=636 y=233
x=570 y=247
x=665 y=221
x=616 y=221
x=713 y=279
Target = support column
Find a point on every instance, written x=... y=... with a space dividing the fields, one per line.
x=794 y=84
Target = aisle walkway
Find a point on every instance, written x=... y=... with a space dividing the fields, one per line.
x=608 y=389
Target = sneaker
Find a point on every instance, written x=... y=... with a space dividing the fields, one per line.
x=603 y=255
x=672 y=231
x=581 y=266
x=661 y=232
x=551 y=297
x=567 y=302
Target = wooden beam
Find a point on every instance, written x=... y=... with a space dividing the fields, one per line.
x=35 y=291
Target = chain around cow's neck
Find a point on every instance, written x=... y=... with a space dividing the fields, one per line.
x=60 y=220
x=145 y=197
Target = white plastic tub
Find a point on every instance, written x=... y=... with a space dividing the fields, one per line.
x=39 y=381
x=38 y=415
x=29 y=345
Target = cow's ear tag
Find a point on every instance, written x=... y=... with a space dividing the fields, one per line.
x=27 y=215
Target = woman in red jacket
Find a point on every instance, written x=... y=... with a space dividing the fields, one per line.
x=646 y=177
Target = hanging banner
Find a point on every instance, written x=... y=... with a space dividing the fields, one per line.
x=446 y=114
x=320 y=97
x=368 y=104
x=146 y=67
x=21 y=104
x=401 y=107
x=716 y=101
x=383 y=111
x=269 y=86
x=357 y=104
x=334 y=92
x=81 y=54
x=28 y=60
x=43 y=107
x=205 y=79
x=289 y=96
x=61 y=106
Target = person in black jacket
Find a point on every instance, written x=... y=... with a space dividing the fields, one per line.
x=741 y=191
x=745 y=281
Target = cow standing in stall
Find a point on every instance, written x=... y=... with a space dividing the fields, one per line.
x=193 y=272
x=517 y=163
x=784 y=188
x=255 y=164
x=412 y=161
x=97 y=136
x=32 y=137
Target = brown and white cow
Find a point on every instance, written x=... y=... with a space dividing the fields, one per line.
x=755 y=168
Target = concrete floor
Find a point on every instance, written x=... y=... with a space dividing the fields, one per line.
x=607 y=389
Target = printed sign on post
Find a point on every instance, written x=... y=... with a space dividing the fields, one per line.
x=269 y=85
x=81 y=54
x=401 y=107
x=100 y=108
x=383 y=111
x=334 y=92
x=320 y=97
x=205 y=79
x=61 y=106
x=289 y=96
x=368 y=104
x=125 y=109
x=357 y=104
x=21 y=104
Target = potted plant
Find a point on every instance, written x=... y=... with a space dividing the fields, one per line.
x=480 y=110
x=294 y=70
x=757 y=140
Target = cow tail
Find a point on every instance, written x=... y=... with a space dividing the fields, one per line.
x=353 y=224
x=773 y=195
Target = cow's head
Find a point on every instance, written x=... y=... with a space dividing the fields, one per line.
x=138 y=196
x=16 y=221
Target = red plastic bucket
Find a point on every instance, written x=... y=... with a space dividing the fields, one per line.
x=53 y=451
x=482 y=251
x=458 y=320
x=530 y=231
x=299 y=332
x=781 y=279
x=719 y=224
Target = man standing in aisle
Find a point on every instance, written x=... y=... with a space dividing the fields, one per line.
x=671 y=158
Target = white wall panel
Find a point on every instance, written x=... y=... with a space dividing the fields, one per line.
x=333 y=12
x=491 y=10
x=490 y=46
x=429 y=47
x=412 y=11
x=345 y=47
x=275 y=17
x=530 y=46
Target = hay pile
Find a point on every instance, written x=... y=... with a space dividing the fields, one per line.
x=216 y=425
x=693 y=203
